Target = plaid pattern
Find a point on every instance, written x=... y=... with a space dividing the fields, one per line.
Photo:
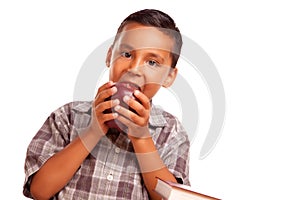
x=111 y=170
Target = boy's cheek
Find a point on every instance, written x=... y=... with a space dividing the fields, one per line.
x=114 y=75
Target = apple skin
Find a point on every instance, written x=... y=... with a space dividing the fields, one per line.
x=123 y=89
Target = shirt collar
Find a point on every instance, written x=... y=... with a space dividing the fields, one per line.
x=82 y=106
x=156 y=116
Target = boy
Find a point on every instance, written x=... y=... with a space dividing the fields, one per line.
x=75 y=155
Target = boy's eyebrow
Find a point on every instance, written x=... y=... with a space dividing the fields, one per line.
x=126 y=46
x=156 y=56
x=129 y=47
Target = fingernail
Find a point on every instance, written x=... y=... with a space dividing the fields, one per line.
x=115 y=115
x=117 y=107
x=114 y=89
x=136 y=92
x=116 y=101
x=126 y=99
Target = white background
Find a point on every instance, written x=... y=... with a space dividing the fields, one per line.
x=255 y=46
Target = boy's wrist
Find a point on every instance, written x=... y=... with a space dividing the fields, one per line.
x=143 y=145
x=90 y=137
x=139 y=132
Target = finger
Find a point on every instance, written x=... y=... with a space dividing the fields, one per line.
x=104 y=94
x=105 y=86
x=143 y=99
x=135 y=105
x=133 y=129
x=101 y=117
x=99 y=121
x=106 y=117
x=101 y=107
x=124 y=120
x=131 y=116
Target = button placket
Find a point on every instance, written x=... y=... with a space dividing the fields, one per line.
x=110 y=177
x=117 y=150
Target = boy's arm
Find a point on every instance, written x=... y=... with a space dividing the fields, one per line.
x=151 y=165
x=61 y=167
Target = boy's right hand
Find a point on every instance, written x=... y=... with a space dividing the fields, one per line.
x=100 y=104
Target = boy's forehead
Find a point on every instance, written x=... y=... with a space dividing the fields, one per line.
x=140 y=37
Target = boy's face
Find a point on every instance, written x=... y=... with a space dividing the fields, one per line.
x=142 y=55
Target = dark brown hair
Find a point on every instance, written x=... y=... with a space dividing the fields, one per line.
x=159 y=19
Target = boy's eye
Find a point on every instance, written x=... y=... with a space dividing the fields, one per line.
x=126 y=54
x=152 y=63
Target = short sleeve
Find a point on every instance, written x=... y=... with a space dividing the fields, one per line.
x=50 y=139
x=174 y=151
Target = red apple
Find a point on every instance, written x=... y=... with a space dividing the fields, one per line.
x=123 y=89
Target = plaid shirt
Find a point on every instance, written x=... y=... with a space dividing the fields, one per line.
x=111 y=170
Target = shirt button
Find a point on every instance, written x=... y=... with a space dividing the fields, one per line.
x=110 y=177
x=117 y=150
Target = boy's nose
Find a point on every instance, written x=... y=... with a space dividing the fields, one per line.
x=136 y=67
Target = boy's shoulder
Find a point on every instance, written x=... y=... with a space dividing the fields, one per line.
x=171 y=127
x=81 y=106
x=77 y=106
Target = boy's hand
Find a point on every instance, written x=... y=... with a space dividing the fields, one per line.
x=137 y=123
x=99 y=105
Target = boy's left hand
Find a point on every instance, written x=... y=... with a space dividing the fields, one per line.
x=137 y=123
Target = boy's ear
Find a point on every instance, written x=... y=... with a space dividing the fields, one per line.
x=108 y=56
x=170 y=78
